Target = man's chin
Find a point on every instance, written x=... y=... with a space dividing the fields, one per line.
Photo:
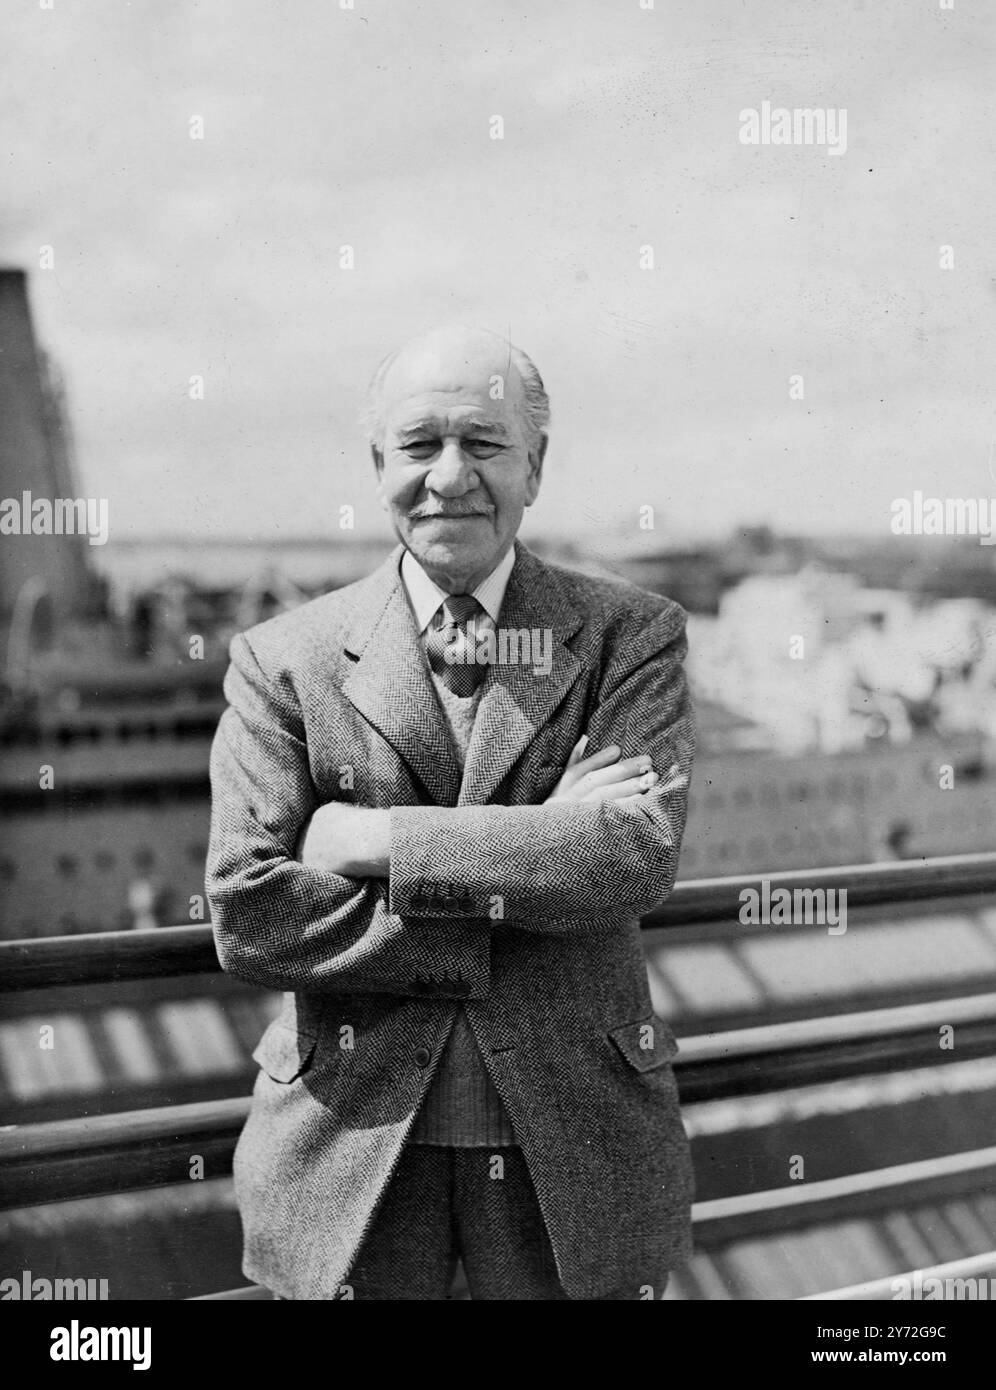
x=451 y=554
x=441 y=550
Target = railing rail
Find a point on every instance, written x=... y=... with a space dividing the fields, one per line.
x=63 y=1160
x=98 y=957
x=46 y=962
x=837 y=1047
x=978 y=1273
x=724 y=1220
x=868 y=885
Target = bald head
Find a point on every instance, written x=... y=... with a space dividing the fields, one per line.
x=446 y=358
x=457 y=424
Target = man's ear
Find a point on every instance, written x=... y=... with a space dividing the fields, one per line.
x=378 y=458
x=536 y=457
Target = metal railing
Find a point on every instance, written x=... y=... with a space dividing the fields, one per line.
x=86 y=1157
x=184 y=950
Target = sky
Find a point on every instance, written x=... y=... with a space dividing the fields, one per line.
x=370 y=127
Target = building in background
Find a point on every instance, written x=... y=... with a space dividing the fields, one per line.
x=37 y=571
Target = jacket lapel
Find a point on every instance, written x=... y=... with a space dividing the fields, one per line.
x=391 y=686
x=516 y=701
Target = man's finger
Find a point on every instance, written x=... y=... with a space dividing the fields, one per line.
x=578 y=750
x=619 y=791
x=617 y=771
x=603 y=758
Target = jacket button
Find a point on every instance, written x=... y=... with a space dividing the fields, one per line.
x=422 y=1056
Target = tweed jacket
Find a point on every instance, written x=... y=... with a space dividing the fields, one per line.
x=526 y=914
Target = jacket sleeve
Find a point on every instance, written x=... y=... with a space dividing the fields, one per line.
x=568 y=860
x=279 y=924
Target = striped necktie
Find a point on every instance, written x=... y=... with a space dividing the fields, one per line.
x=452 y=649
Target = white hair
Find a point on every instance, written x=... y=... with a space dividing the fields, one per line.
x=535 y=408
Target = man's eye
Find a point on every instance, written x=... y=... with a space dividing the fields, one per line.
x=483 y=448
x=420 y=448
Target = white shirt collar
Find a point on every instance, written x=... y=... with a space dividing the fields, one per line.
x=426 y=595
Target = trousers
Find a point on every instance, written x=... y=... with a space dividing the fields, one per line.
x=445 y=1205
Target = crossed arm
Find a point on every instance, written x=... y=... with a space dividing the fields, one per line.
x=355 y=841
x=335 y=898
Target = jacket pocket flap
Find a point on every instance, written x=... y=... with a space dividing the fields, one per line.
x=646 y=1043
x=283 y=1052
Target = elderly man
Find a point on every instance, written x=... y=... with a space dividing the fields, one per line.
x=442 y=797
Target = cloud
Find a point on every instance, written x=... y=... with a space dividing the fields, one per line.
x=369 y=128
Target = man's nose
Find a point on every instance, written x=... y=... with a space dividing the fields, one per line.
x=453 y=473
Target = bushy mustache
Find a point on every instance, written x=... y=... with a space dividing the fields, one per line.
x=427 y=513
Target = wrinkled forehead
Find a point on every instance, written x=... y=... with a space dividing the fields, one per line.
x=458 y=386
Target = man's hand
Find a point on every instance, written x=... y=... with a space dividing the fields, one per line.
x=349 y=840
x=602 y=777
